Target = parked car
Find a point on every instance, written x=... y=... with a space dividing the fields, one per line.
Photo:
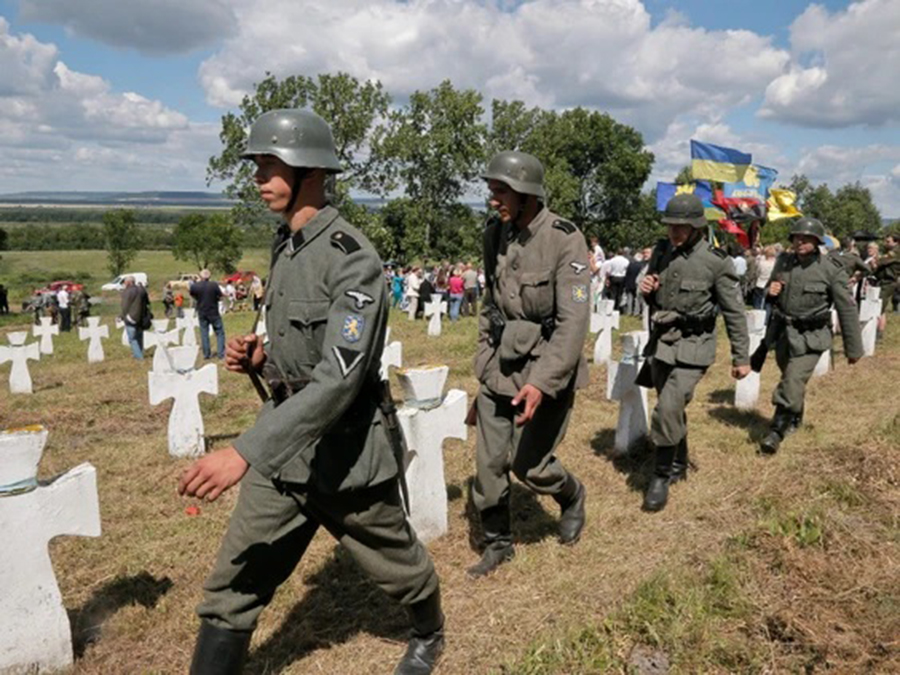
x=118 y=283
x=183 y=282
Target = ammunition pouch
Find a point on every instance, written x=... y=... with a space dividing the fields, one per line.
x=497 y=325
x=807 y=323
x=697 y=325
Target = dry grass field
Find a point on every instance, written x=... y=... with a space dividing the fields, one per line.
x=786 y=564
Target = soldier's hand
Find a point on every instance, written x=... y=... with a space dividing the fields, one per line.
x=740 y=372
x=852 y=361
x=649 y=284
x=211 y=475
x=243 y=353
x=775 y=288
x=531 y=396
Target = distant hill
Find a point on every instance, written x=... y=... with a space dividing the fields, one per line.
x=137 y=199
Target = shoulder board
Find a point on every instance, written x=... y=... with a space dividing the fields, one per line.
x=565 y=226
x=345 y=242
x=718 y=251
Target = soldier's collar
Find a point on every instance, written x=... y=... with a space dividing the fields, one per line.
x=312 y=229
x=688 y=247
x=532 y=228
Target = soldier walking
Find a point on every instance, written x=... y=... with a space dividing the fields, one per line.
x=688 y=282
x=325 y=450
x=804 y=286
x=529 y=360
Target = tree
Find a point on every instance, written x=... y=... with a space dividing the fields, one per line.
x=433 y=149
x=351 y=108
x=122 y=239
x=594 y=166
x=849 y=209
x=208 y=241
x=4 y=239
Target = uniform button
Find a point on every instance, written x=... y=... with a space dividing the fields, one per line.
x=280 y=294
x=512 y=294
x=281 y=332
x=515 y=265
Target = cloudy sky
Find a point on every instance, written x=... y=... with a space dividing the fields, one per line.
x=115 y=95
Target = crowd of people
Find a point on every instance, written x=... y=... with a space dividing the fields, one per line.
x=411 y=287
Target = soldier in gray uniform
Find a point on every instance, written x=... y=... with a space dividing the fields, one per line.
x=804 y=286
x=529 y=359
x=324 y=449
x=688 y=283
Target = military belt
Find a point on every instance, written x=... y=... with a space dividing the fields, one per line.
x=805 y=324
x=696 y=325
x=282 y=388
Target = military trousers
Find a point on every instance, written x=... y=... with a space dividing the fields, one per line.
x=795 y=373
x=271 y=528
x=527 y=450
x=674 y=386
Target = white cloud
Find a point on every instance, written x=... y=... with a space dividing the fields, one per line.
x=63 y=129
x=554 y=53
x=843 y=68
x=150 y=26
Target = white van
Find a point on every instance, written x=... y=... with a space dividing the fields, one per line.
x=118 y=283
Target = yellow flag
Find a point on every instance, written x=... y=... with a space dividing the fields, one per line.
x=782 y=204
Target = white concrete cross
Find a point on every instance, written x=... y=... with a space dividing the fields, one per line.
x=869 y=311
x=260 y=328
x=19 y=353
x=425 y=430
x=824 y=365
x=185 y=386
x=120 y=325
x=392 y=354
x=746 y=391
x=95 y=333
x=45 y=331
x=160 y=338
x=603 y=321
x=36 y=636
x=434 y=308
x=634 y=422
x=188 y=323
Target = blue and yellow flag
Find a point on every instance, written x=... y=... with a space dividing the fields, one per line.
x=713 y=162
x=665 y=192
x=757 y=182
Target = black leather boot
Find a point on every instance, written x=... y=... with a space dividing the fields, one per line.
x=220 y=651
x=497 y=538
x=796 y=422
x=680 y=463
x=781 y=423
x=427 y=641
x=571 y=500
x=658 y=491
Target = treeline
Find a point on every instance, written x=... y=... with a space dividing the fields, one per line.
x=65 y=215
x=432 y=149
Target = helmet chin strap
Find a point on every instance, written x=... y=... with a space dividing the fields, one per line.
x=300 y=174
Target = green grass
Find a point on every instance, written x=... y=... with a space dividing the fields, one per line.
x=21 y=271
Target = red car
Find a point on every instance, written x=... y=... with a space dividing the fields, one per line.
x=240 y=277
x=55 y=286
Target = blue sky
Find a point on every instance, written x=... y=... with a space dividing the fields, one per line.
x=110 y=95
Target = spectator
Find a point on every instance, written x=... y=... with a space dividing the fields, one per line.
x=470 y=291
x=396 y=288
x=179 y=305
x=615 y=270
x=596 y=258
x=4 y=300
x=632 y=297
x=426 y=291
x=207 y=294
x=230 y=296
x=456 y=287
x=764 y=274
x=136 y=315
x=168 y=301
x=413 y=284
x=65 y=312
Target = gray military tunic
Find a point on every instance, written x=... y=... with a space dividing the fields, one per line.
x=801 y=326
x=323 y=456
x=541 y=286
x=696 y=282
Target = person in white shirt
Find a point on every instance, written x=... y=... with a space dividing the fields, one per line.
x=764 y=267
x=65 y=312
x=615 y=269
x=596 y=259
x=413 y=283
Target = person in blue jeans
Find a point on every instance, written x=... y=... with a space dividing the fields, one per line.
x=206 y=296
x=135 y=310
x=457 y=293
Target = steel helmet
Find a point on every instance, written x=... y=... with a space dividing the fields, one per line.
x=524 y=173
x=809 y=226
x=685 y=209
x=299 y=138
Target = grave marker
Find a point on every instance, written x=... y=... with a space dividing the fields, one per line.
x=434 y=308
x=633 y=422
x=603 y=321
x=19 y=353
x=746 y=391
x=392 y=354
x=45 y=331
x=95 y=333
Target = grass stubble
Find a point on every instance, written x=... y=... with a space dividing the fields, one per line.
x=758 y=565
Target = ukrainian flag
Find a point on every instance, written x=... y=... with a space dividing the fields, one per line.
x=713 y=162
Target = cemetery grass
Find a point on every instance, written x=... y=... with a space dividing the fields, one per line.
x=758 y=565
